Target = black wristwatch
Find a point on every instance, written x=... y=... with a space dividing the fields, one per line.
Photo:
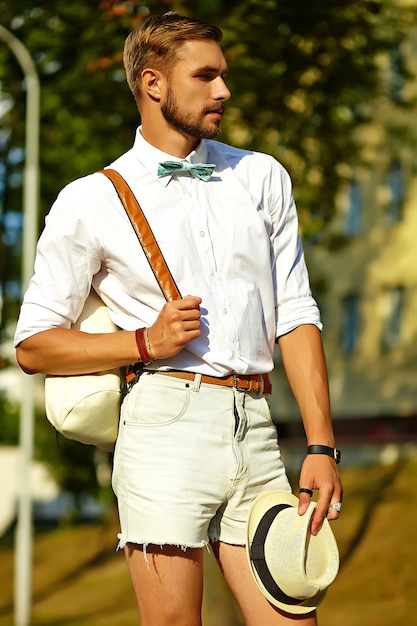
x=333 y=452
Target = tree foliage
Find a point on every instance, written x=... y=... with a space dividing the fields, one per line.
x=303 y=75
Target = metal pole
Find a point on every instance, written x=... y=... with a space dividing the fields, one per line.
x=23 y=559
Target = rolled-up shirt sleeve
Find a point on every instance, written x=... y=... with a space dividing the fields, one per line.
x=65 y=262
x=295 y=304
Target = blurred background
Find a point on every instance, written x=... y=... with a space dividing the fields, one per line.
x=328 y=88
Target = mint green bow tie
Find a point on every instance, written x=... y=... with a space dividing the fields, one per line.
x=203 y=171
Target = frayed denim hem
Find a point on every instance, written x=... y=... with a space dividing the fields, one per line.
x=123 y=540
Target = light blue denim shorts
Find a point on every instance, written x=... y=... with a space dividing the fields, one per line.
x=189 y=460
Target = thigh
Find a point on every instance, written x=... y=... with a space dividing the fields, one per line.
x=255 y=608
x=168 y=584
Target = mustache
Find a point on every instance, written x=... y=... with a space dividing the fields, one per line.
x=219 y=109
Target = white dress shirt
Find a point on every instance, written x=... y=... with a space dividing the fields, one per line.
x=233 y=241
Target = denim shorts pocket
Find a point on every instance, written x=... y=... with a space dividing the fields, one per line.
x=153 y=402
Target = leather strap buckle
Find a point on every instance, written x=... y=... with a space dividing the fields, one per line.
x=255 y=383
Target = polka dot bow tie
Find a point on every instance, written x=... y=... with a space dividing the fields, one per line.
x=203 y=171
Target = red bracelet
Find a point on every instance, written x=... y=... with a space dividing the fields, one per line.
x=144 y=355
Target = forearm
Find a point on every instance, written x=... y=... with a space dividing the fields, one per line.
x=64 y=352
x=305 y=367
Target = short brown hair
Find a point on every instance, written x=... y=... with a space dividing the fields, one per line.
x=156 y=42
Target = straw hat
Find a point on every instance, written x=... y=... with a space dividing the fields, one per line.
x=291 y=567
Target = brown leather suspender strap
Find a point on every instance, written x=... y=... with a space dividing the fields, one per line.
x=145 y=235
x=258 y=383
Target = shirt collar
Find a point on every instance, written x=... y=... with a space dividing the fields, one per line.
x=150 y=156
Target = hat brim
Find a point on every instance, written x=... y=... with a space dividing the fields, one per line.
x=264 y=580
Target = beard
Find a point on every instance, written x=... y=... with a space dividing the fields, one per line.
x=186 y=123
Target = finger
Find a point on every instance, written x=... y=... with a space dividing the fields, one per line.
x=186 y=309
x=304 y=499
x=191 y=326
x=190 y=315
x=335 y=508
x=321 y=512
x=181 y=311
x=189 y=302
x=332 y=512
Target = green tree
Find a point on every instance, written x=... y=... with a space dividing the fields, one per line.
x=304 y=75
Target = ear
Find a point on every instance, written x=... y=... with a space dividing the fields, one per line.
x=151 y=83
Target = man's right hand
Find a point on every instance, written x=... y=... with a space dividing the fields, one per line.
x=177 y=324
x=64 y=351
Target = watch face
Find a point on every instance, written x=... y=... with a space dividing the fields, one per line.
x=337 y=455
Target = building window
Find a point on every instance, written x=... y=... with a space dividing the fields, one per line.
x=351 y=323
x=393 y=320
x=354 y=215
x=395 y=184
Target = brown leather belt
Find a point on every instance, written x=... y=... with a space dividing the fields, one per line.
x=258 y=383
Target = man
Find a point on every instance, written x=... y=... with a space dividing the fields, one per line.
x=194 y=448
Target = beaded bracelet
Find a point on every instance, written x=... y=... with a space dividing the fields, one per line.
x=148 y=345
x=144 y=353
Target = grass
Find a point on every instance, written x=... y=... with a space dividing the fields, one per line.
x=79 y=580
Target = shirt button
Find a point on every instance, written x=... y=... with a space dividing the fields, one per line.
x=202 y=233
x=224 y=311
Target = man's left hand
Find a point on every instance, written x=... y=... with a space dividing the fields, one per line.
x=319 y=472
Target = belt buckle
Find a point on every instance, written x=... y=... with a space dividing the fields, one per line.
x=236 y=383
x=249 y=386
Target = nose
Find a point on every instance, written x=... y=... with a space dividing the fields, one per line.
x=223 y=93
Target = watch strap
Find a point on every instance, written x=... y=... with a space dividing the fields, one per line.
x=319 y=449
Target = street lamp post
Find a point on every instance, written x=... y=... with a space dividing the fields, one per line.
x=23 y=563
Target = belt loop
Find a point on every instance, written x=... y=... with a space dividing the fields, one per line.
x=197 y=382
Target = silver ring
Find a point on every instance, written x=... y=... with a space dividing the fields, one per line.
x=337 y=506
